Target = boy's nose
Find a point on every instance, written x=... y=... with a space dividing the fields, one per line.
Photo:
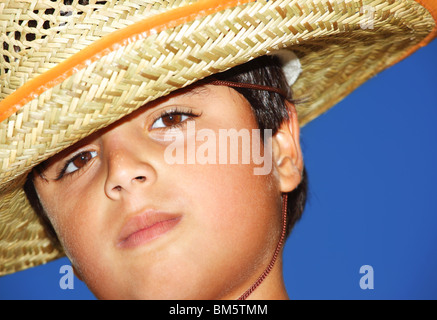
x=128 y=172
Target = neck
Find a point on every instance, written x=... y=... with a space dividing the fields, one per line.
x=274 y=265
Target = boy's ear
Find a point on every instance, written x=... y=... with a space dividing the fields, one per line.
x=287 y=154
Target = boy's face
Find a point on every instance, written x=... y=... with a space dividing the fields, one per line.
x=137 y=226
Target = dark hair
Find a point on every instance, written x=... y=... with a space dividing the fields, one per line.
x=269 y=109
x=32 y=196
x=270 y=112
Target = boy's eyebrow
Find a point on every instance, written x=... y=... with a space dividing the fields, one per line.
x=194 y=90
x=191 y=90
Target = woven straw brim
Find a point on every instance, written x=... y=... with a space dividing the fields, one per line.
x=339 y=49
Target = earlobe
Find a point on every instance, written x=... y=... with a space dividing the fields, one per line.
x=287 y=153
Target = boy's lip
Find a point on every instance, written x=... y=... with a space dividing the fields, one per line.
x=144 y=227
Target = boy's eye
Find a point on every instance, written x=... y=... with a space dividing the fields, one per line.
x=79 y=161
x=170 y=120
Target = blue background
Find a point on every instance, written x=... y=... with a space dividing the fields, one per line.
x=372 y=171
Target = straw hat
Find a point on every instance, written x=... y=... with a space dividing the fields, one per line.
x=71 y=67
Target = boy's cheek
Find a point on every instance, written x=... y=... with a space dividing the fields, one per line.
x=78 y=223
x=230 y=195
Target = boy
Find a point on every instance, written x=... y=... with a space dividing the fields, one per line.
x=286 y=157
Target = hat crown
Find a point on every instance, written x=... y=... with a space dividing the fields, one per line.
x=36 y=35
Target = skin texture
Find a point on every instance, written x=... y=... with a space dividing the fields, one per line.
x=228 y=219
